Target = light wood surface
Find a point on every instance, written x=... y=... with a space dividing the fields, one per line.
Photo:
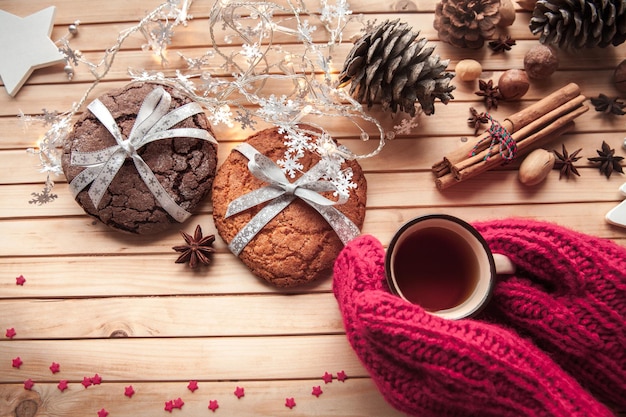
x=99 y=302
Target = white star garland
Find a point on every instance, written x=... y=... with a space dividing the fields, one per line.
x=255 y=66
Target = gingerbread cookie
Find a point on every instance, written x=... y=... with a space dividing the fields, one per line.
x=161 y=176
x=296 y=246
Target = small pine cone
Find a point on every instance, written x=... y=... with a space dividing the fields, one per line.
x=466 y=23
x=388 y=65
x=576 y=24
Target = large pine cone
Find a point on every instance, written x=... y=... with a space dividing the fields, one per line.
x=466 y=23
x=575 y=24
x=389 y=66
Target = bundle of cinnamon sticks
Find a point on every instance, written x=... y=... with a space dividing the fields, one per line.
x=544 y=120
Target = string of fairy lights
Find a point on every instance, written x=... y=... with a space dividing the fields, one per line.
x=236 y=79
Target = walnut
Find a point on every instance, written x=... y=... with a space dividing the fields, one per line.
x=513 y=84
x=468 y=69
x=541 y=61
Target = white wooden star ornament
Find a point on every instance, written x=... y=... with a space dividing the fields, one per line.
x=25 y=46
x=617 y=215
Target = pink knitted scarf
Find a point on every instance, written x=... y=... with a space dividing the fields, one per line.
x=553 y=334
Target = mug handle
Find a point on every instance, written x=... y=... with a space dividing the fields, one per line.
x=504 y=265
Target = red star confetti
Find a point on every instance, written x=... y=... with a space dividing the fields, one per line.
x=86 y=382
x=62 y=386
x=239 y=392
x=290 y=402
x=328 y=378
x=169 y=406
x=96 y=379
x=103 y=413
x=341 y=376
x=29 y=384
x=20 y=280
x=129 y=391
x=193 y=385
x=317 y=391
x=213 y=405
x=178 y=403
x=10 y=333
x=55 y=367
x=17 y=362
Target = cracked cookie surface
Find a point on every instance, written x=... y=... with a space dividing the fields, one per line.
x=185 y=167
x=298 y=245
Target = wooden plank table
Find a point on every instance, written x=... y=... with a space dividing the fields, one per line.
x=99 y=302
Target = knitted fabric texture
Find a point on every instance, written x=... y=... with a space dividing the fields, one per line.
x=569 y=296
x=428 y=366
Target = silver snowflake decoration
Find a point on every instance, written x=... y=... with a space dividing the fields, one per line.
x=277 y=109
x=290 y=165
x=49 y=117
x=305 y=32
x=45 y=196
x=251 y=52
x=221 y=114
x=406 y=126
x=297 y=144
x=71 y=55
x=200 y=62
x=343 y=182
x=246 y=119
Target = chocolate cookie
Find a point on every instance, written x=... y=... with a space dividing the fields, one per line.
x=184 y=166
x=296 y=246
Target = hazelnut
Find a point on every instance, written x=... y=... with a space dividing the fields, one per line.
x=619 y=77
x=540 y=61
x=507 y=13
x=468 y=69
x=513 y=84
x=536 y=166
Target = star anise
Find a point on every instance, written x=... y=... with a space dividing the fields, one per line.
x=490 y=93
x=565 y=162
x=608 y=161
x=197 y=249
x=476 y=120
x=503 y=43
x=608 y=105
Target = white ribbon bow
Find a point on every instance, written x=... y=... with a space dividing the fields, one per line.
x=280 y=193
x=153 y=123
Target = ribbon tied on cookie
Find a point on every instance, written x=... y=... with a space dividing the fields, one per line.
x=280 y=193
x=153 y=123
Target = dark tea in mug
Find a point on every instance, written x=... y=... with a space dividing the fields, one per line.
x=436 y=268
